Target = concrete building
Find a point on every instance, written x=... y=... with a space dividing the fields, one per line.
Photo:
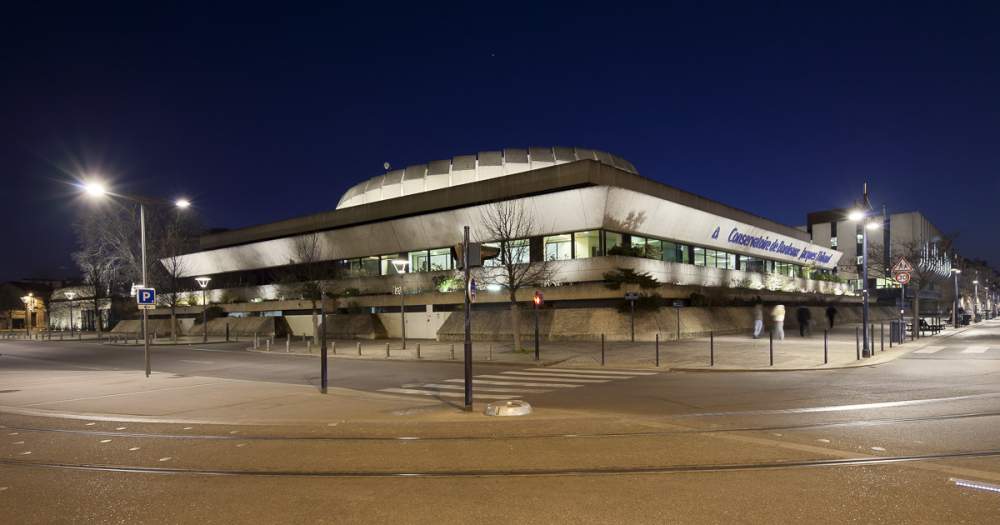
x=908 y=234
x=592 y=213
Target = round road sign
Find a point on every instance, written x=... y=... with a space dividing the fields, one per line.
x=902 y=277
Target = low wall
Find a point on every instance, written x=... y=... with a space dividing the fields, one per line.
x=587 y=324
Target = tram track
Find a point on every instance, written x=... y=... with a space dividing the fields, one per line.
x=512 y=437
x=484 y=473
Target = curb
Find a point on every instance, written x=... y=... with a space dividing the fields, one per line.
x=856 y=364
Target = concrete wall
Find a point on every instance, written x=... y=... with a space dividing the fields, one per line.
x=587 y=324
x=419 y=325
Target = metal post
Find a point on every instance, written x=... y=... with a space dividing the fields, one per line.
x=826 y=349
x=333 y=347
x=227 y=330
x=602 y=349
x=881 y=336
x=288 y=343
x=402 y=310
x=267 y=343
x=632 y=318
x=955 y=314
x=711 y=348
x=536 y=331
x=678 y=310
x=204 y=316
x=866 y=350
x=453 y=351
x=418 y=350
x=324 y=375
x=871 y=337
x=468 y=321
x=387 y=350
x=657 y=349
x=145 y=283
x=359 y=348
x=857 y=342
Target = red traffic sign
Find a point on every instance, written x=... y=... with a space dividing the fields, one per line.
x=902 y=266
x=901 y=277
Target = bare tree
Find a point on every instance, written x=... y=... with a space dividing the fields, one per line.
x=176 y=238
x=10 y=300
x=508 y=226
x=928 y=260
x=307 y=275
x=97 y=259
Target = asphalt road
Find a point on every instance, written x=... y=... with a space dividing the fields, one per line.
x=913 y=441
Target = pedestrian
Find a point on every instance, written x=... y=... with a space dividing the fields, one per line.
x=778 y=316
x=758 y=318
x=831 y=314
x=804 y=316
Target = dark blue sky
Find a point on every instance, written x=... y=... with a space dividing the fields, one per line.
x=260 y=114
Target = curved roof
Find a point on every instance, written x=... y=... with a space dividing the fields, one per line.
x=465 y=169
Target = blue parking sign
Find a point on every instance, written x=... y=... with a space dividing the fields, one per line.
x=145 y=297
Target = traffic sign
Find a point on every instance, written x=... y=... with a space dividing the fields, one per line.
x=631 y=296
x=902 y=266
x=145 y=298
x=472 y=290
x=901 y=277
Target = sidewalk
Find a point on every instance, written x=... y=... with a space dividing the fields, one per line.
x=731 y=352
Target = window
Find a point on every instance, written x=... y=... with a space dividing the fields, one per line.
x=418 y=261
x=441 y=259
x=587 y=244
x=519 y=252
x=654 y=249
x=833 y=242
x=699 y=256
x=751 y=264
x=731 y=261
x=670 y=252
x=370 y=266
x=558 y=247
x=385 y=264
x=611 y=240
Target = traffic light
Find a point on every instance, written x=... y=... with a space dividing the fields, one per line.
x=539 y=298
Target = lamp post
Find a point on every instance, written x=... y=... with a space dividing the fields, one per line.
x=97 y=190
x=203 y=282
x=954 y=315
x=70 y=296
x=29 y=307
x=401 y=266
x=864 y=216
x=975 y=301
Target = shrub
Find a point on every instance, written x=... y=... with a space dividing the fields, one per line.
x=615 y=279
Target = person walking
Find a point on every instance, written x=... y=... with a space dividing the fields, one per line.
x=804 y=316
x=778 y=316
x=758 y=318
x=831 y=314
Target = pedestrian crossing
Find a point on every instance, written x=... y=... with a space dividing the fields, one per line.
x=516 y=384
x=959 y=349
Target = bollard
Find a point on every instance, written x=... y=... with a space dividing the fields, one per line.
x=309 y=346
x=857 y=342
x=267 y=341
x=602 y=349
x=881 y=336
x=453 y=350
x=387 y=350
x=359 y=348
x=227 y=332
x=418 y=350
x=711 y=348
x=871 y=337
x=657 y=349
x=256 y=342
x=770 y=347
x=288 y=343
x=890 y=336
x=333 y=347
x=825 y=347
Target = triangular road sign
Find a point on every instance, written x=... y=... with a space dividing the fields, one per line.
x=902 y=266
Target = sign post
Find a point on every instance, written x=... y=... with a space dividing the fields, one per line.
x=470 y=296
x=145 y=299
x=901 y=273
x=632 y=297
x=538 y=300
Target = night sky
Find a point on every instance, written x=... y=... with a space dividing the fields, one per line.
x=259 y=114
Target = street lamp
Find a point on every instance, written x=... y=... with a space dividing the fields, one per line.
x=856 y=216
x=401 y=265
x=70 y=296
x=29 y=307
x=203 y=282
x=954 y=316
x=975 y=301
x=96 y=189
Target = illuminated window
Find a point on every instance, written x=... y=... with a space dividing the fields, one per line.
x=699 y=256
x=587 y=244
x=441 y=259
x=611 y=240
x=558 y=247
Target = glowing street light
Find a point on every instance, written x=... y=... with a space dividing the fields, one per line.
x=857 y=215
x=954 y=316
x=29 y=307
x=401 y=265
x=203 y=282
x=70 y=296
x=95 y=189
